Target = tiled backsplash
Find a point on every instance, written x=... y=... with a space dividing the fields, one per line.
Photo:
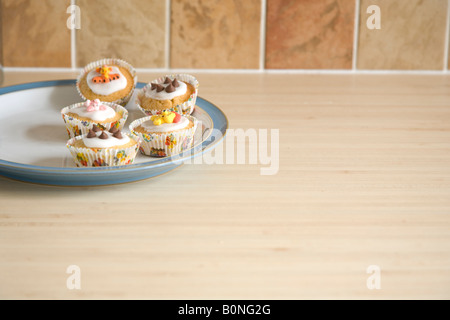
x=227 y=34
x=309 y=34
x=412 y=35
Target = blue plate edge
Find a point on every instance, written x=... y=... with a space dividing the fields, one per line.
x=14 y=170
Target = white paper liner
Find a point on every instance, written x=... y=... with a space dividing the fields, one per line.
x=76 y=127
x=110 y=61
x=164 y=144
x=87 y=157
x=186 y=108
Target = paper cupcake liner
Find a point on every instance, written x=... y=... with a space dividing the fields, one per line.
x=186 y=108
x=164 y=144
x=87 y=157
x=110 y=61
x=76 y=127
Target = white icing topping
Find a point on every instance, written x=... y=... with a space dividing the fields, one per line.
x=163 y=95
x=105 y=143
x=96 y=115
x=165 y=127
x=106 y=88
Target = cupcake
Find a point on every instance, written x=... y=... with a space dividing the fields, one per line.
x=164 y=135
x=100 y=148
x=176 y=92
x=109 y=80
x=80 y=117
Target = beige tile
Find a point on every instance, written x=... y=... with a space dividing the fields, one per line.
x=412 y=35
x=215 y=34
x=35 y=33
x=309 y=34
x=132 y=30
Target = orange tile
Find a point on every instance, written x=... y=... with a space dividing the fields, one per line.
x=35 y=33
x=131 y=30
x=309 y=34
x=412 y=35
x=215 y=34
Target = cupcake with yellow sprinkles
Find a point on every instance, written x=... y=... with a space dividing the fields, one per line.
x=166 y=134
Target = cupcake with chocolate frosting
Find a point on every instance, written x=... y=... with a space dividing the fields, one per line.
x=80 y=117
x=166 y=134
x=100 y=148
x=175 y=92
x=109 y=80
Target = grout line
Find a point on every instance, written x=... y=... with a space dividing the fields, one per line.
x=73 y=44
x=37 y=69
x=251 y=71
x=262 y=34
x=446 y=42
x=358 y=71
x=356 y=35
x=167 y=36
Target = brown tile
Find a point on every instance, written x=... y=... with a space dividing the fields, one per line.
x=35 y=33
x=412 y=35
x=309 y=34
x=132 y=30
x=215 y=34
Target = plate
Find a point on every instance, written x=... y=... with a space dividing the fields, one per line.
x=33 y=138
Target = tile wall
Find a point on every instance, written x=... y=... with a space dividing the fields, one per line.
x=227 y=34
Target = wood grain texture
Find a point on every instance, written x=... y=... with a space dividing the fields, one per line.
x=364 y=179
x=412 y=35
x=35 y=33
x=216 y=34
x=309 y=34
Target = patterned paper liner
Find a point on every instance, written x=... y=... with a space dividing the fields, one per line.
x=76 y=127
x=164 y=144
x=186 y=108
x=87 y=157
x=110 y=61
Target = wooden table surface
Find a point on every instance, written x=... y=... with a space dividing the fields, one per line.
x=363 y=180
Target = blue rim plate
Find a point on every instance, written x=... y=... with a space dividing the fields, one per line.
x=73 y=176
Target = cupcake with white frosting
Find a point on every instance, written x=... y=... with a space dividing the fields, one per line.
x=80 y=117
x=109 y=80
x=175 y=92
x=166 y=134
x=99 y=148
